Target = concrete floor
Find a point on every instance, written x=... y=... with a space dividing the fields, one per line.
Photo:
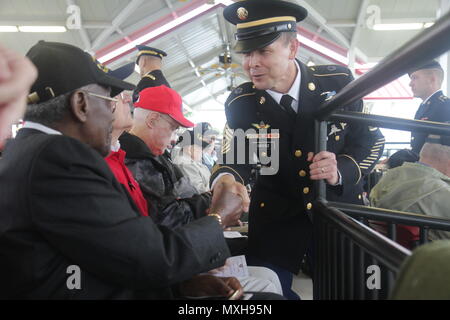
x=302 y=285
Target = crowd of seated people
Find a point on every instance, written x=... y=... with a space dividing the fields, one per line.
x=64 y=209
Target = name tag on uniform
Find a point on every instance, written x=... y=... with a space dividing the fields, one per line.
x=263 y=136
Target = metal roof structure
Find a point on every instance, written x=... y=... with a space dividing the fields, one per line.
x=194 y=34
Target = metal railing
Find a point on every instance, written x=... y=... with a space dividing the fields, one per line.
x=392 y=218
x=346 y=249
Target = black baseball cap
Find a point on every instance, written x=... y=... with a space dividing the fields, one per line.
x=205 y=128
x=401 y=156
x=260 y=22
x=191 y=137
x=121 y=73
x=63 y=68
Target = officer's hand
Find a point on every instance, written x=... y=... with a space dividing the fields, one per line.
x=17 y=74
x=227 y=204
x=228 y=182
x=323 y=166
x=211 y=286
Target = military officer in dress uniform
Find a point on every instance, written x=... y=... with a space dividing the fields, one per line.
x=278 y=105
x=426 y=82
x=149 y=61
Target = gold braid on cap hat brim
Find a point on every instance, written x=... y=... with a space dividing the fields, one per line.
x=149 y=52
x=265 y=21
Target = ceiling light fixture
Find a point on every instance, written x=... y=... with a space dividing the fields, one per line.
x=43 y=29
x=8 y=29
x=401 y=26
x=324 y=51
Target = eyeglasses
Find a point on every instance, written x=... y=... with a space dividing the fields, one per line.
x=172 y=126
x=112 y=100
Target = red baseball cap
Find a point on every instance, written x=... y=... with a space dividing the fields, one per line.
x=163 y=99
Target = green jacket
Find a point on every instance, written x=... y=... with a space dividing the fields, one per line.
x=416 y=188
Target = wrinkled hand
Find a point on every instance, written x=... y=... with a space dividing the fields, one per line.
x=230 y=199
x=323 y=166
x=17 y=74
x=210 y=286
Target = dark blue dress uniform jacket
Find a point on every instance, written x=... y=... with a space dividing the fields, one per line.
x=153 y=78
x=436 y=109
x=61 y=205
x=279 y=227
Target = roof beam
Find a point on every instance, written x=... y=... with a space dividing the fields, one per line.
x=216 y=94
x=191 y=79
x=186 y=53
x=195 y=86
x=117 y=21
x=202 y=59
x=223 y=30
x=356 y=32
x=316 y=16
x=192 y=64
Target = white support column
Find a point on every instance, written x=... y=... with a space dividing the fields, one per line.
x=355 y=36
x=445 y=59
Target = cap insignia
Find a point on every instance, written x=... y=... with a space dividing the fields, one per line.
x=242 y=13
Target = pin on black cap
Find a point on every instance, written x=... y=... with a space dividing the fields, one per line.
x=260 y=22
x=63 y=68
x=121 y=73
x=149 y=51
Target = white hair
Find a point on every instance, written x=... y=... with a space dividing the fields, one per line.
x=436 y=151
x=436 y=156
x=140 y=114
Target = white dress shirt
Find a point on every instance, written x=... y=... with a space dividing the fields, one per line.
x=40 y=127
x=294 y=91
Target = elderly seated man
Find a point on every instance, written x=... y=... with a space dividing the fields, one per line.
x=173 y=201
x=68 y=229
x=421 y=187
x=208 y=134
x=189 y=160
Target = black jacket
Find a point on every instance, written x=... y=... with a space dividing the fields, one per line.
x=151 y=79
x=172 y=200
x=60 y=206
x=279 y=227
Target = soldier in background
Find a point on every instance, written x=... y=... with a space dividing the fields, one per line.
x=149 y=61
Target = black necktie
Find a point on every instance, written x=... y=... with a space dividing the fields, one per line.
x=286 y=104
